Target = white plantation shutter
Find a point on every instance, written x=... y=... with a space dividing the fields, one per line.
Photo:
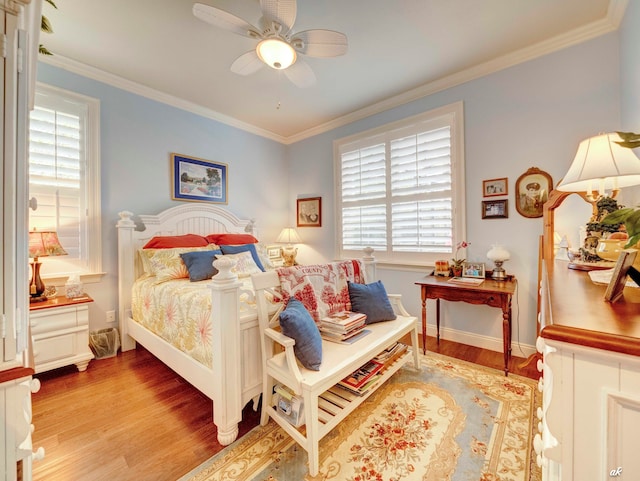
x=63 y=167
x=400 y=188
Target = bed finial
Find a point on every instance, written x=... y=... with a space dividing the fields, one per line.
x=225 y=273
x=125 y=219
x=250 y=226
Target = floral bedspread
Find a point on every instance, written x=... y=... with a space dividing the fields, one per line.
x=178 y=311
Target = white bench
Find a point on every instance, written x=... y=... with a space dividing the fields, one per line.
x=325 y=404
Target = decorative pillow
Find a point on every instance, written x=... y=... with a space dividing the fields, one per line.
x=372 y=300
x=245 y=265
x=264 y=257
x=200 y=264
x=231 y=239
x=226 y=249
x=171 y=241
x=297 y=323
x=167 y=264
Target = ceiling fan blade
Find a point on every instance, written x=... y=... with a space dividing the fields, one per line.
x=247 y=63
x=320 y=43
x=280 y=11
x=220 y=18
x=300 y=74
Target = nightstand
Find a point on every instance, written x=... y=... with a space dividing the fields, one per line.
x=60 y=330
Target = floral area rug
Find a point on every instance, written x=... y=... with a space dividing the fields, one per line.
x=450 y=420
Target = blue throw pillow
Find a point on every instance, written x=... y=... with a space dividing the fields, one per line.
x=297 y=323
x=243 y=248
x=372 y=300
x=200 y=264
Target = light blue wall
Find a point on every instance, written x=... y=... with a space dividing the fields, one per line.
x=630 y=68
x=137 y=136
x=532 y=114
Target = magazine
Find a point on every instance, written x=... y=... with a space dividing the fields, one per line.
x=360 y=376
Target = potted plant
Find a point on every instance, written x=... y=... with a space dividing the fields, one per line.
x=456 y=267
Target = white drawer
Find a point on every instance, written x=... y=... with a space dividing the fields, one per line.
x=61 y=318
x=52 y=348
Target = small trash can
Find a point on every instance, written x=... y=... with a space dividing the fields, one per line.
x=104 y=343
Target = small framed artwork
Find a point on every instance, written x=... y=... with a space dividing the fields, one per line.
x=473 y=269
x=198 y=180
x=494 y=187
x=532 y=191
x=495 y=209
x=274 y=254
x=619 y=276
x=309 y=212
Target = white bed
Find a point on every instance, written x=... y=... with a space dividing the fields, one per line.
x=236 y=375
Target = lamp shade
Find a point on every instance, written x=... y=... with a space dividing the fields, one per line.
x=498 y=253
x=289 y=236
x=601 y=164
x=44 y=244
x=276 y=53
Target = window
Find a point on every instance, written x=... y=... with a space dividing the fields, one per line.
x=401 y=189
x=64 y=168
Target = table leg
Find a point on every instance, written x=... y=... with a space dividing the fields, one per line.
x=423 y=295
x=506 y=333
x=438 y=320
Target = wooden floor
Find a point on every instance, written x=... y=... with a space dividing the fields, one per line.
x=132 y=418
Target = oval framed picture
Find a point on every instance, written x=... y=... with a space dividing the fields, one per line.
x=532 y=191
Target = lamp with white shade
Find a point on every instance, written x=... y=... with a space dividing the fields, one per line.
x=289 y=236
x=498 y=254
x=601 y=164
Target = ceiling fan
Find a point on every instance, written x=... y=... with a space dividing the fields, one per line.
x=278 y=47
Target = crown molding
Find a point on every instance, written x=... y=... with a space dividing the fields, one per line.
x=610 y=23
x=113 y=80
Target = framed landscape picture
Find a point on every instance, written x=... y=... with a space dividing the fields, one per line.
x=198 y=180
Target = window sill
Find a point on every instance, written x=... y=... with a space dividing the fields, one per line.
x=60 y=280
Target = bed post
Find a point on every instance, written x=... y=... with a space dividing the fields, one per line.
x=225 y=325
x=369 y=263
x=126 y=275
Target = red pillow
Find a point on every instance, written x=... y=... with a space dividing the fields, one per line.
x=171 y=241
x=231 y=239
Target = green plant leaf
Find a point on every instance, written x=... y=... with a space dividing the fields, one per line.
x=633 y=240
x=632 y=224
x=628 y=136
x=618 y=216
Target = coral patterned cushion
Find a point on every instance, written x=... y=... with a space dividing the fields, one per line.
x=322 y=288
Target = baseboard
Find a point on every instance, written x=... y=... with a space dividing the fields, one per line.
x=484 y=342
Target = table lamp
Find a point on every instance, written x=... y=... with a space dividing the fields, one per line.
x=498 y=254
x=289 y=236
x=601 y=164
x=41 y=244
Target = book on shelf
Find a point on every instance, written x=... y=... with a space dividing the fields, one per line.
x=362 y=375
x=343 y=321
x=392 y=353
x=469 y=281
x=371 y=382
x=346 y=339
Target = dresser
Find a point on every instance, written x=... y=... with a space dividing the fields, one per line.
x=60 y=330
x=590 y=362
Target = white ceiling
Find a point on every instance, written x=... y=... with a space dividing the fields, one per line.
x=399 y=50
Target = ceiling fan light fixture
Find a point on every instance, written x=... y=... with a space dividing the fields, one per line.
x=276 y=53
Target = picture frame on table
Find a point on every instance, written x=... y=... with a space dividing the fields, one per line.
x=495 y=187
x=619 y=275
x=532 y=191
x=473 y=269
x=495 y=209
x=198 y=180
x=274 y=253
x=309 y=212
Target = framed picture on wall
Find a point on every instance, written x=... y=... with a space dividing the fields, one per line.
x=495 y=209
x=494 y=187
x=198 y=180
x=309 y=212
x=532 y=191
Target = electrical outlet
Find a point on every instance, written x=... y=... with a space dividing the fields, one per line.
x=111 y=316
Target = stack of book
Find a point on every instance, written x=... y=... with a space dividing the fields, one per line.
x=388 y=356
x=363 y=379
x=344 y=326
